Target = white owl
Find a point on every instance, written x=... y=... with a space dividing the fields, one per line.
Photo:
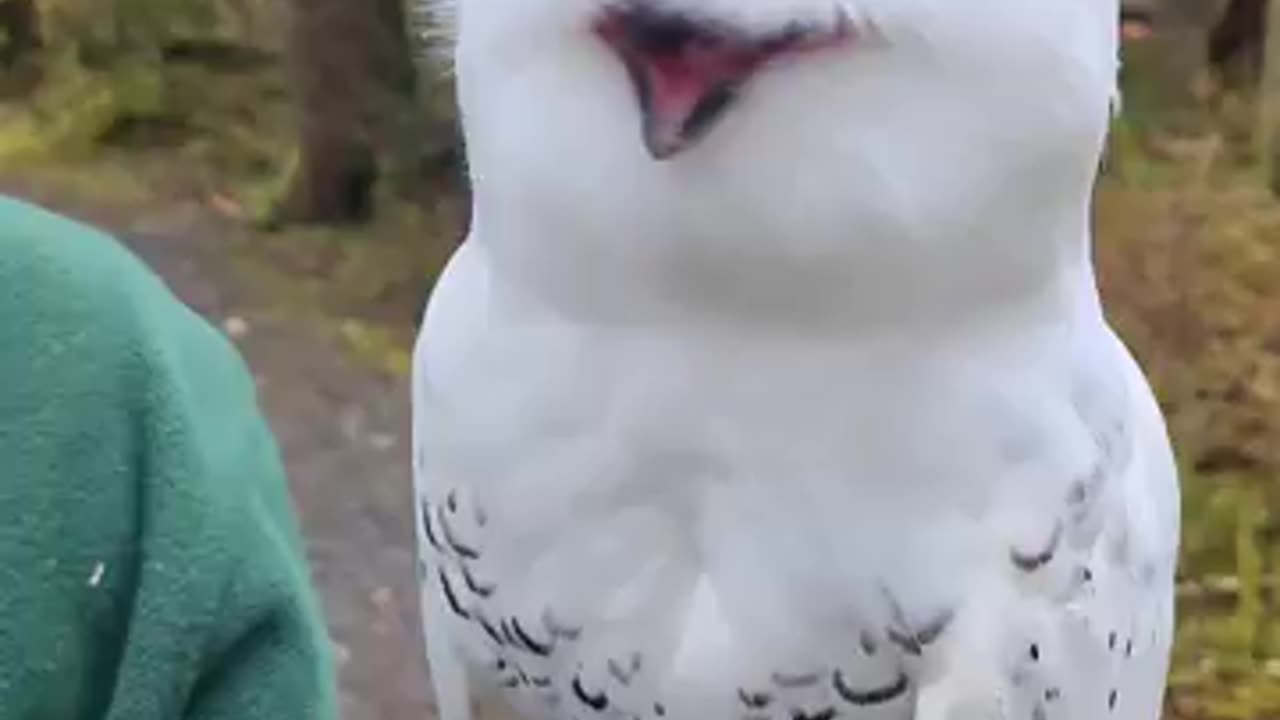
x=772 y=382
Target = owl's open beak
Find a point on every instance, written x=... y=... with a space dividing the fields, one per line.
x=687 y=73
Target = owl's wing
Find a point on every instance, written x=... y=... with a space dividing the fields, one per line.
x=456 y=306
x=1097 y=643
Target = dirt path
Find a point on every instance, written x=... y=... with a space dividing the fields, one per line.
x=343 y=430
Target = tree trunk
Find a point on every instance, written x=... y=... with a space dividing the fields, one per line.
x=1235 y=46
x=1171 y=61
x=334 y=180
x=19 y=30
x=353 y=81
x=1269 y=100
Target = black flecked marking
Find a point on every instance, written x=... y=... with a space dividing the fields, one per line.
x=462 y=549
x=1083 y=493
x=930 y=633
x=1028 y=563
x=1077 y=493
x=1111 y=699
x=872 y=696
x=1039 y=713
x=867 y=642
x=621 y=674
x=914 y=643
x=483 y=590
x=754 y=700
x=452 y=598
x=827 y=713
x=1051 y=694
x=906 y=643
x=532 y=645
x=490 y=630
x=1034 y=652
x=451 y=501
x=557 y=629
x=794 y=681
x=425 y=508
x=540 y=681
x=659 y=709
x=1128 y=647
x=1111 y=640
x=506 y=632
x=596 y=701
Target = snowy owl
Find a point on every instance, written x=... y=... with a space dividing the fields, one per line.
x=772 y=381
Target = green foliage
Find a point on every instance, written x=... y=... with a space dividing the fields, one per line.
x=103 y=31
x=149 y=72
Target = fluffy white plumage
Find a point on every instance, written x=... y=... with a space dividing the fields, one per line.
x=819 y=419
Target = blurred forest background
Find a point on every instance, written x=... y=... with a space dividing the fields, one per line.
x=296 y=165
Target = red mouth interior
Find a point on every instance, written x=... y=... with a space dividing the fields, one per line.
x=679 y=64
x=687 y=71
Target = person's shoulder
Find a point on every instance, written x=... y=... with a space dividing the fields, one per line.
x=58 y=274
x=82 y=316
x=99 y=355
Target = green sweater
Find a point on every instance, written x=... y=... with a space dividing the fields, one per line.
x=150 y=566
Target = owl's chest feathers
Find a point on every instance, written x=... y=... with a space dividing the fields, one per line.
x=614 y=482
x=823 y=446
